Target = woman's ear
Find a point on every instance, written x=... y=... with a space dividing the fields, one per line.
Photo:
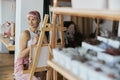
x=39 y=20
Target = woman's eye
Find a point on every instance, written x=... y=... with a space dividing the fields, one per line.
x=28 y=19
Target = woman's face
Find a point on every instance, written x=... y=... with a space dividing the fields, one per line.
x=33 y=22
x=71 y=29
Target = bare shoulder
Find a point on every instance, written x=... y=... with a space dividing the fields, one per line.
x=25 y=35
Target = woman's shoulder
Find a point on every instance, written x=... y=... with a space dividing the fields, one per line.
x=25 y=34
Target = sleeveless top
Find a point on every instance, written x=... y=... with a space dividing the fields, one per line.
x=32 y=34
x=32 y=37
x=26 y=60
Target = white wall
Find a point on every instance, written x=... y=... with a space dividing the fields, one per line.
x=0 y=12
x=8 y=10
x=106 y=25
x=22 y=8
x=7 y=13
x=0 y=21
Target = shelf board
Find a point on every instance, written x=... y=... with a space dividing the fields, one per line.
x=103 y=14
x=5 y=41
x=64 y=72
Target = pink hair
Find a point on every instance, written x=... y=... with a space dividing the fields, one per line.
x=35 y=14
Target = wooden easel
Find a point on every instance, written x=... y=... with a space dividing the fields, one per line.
x=33 y=65
x=55 y=29
x=61 y=29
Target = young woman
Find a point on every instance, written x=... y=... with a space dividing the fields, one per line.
x=27 y=38
x=72 y=37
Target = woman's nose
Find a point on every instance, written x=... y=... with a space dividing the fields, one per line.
x=30 y=21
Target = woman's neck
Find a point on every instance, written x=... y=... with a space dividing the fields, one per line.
x=33 y=29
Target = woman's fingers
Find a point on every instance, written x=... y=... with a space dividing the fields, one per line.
x=36 y=36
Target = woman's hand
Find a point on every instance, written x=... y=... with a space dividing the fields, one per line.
x=36 y=38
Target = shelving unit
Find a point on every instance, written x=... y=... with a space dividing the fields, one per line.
x=60 y=11
x=102 y=14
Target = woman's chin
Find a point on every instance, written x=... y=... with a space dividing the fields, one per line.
x=34 y=26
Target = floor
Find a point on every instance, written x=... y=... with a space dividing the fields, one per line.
x=6 y=66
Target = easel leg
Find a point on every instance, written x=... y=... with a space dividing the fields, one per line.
x=54 y=75
x=48 y=76
x=61 y=31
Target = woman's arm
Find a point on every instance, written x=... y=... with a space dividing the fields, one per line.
x=24 y=38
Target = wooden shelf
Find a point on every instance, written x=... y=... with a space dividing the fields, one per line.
x=104 y=14
x=5 y=41
x=60 y=11
x=66 y=73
